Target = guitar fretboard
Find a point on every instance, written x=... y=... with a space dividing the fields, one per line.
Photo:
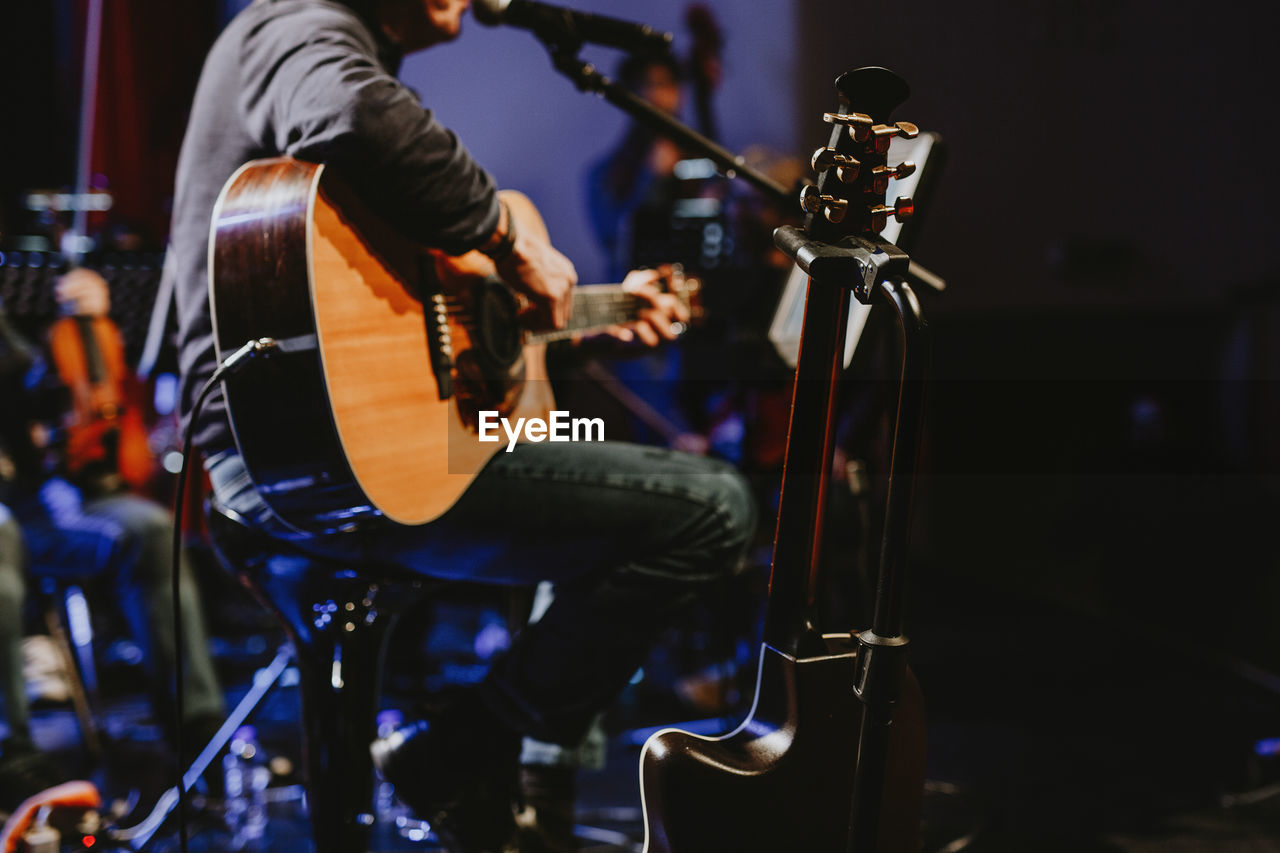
x=595 y=307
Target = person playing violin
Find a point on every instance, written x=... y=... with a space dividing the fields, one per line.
x=89 y=523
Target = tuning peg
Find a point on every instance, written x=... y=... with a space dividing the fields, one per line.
x=813 y=200
x=902 y=210
x=882 y=133
x=859 y=124
x=847 y=167
x=880 y=175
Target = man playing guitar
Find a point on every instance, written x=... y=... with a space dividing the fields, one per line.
x=628 y=534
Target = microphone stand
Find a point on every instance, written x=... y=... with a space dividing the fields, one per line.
x=588 y=79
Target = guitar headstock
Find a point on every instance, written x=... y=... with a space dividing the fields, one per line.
x=853 y=174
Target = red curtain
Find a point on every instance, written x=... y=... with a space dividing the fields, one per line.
x=150 y=58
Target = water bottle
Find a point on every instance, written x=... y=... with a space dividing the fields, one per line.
x=233 y=784
x=384 y=798
x=247 y=777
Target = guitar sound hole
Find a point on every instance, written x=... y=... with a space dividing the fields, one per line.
x=498 y=345
x=489 y=375
x=479 y=389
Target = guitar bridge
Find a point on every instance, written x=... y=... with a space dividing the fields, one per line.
x=435 y=315
x=440 y=344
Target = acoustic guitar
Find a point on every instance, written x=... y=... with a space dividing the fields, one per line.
x=386 y=354
x=794 y=775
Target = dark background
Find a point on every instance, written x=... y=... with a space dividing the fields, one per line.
x=1104 y=409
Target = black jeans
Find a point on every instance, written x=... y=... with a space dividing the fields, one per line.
x=129 y=538
x=627 y=534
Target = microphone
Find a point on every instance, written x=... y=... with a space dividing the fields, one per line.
x=558 y=24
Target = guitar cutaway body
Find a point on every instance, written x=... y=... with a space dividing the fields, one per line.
x=783 y=780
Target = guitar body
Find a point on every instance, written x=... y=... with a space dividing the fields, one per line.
x=353 y=425
x=783 y=780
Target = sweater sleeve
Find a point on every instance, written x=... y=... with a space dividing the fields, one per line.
x=314 y=89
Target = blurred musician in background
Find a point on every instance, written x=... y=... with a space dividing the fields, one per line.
x=29 y=779
x=631 y=192
x=83 y=521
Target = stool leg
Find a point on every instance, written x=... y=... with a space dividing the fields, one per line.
x=79 y=700
x=339 y=632
x=80 y=625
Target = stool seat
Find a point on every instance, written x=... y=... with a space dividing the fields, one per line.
x=239 y=542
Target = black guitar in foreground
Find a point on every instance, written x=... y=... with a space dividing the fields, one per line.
x=831 y=757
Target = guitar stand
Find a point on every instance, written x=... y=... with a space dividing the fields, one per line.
x=871 y=269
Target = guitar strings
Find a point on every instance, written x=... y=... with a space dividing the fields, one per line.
x=595 y=308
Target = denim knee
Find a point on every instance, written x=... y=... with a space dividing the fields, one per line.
x=737 y=508
x=711 y=542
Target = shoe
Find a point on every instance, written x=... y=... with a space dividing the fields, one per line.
x=44 y=670
x=29 y=781
x=458 y=772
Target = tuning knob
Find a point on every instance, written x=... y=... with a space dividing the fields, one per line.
x=813 y=200
x=902 y=210
x=859 y=124
x=846 y=166
x=882 y=133
x=880 y=175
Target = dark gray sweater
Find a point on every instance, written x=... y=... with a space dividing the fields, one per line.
x=309 y=78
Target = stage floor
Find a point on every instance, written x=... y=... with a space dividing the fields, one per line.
x=1048 y=731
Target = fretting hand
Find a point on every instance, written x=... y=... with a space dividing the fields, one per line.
x=662 y=320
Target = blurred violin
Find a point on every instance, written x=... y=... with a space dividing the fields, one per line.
x=104 y=433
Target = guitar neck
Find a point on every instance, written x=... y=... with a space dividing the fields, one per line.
x=595 y=308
